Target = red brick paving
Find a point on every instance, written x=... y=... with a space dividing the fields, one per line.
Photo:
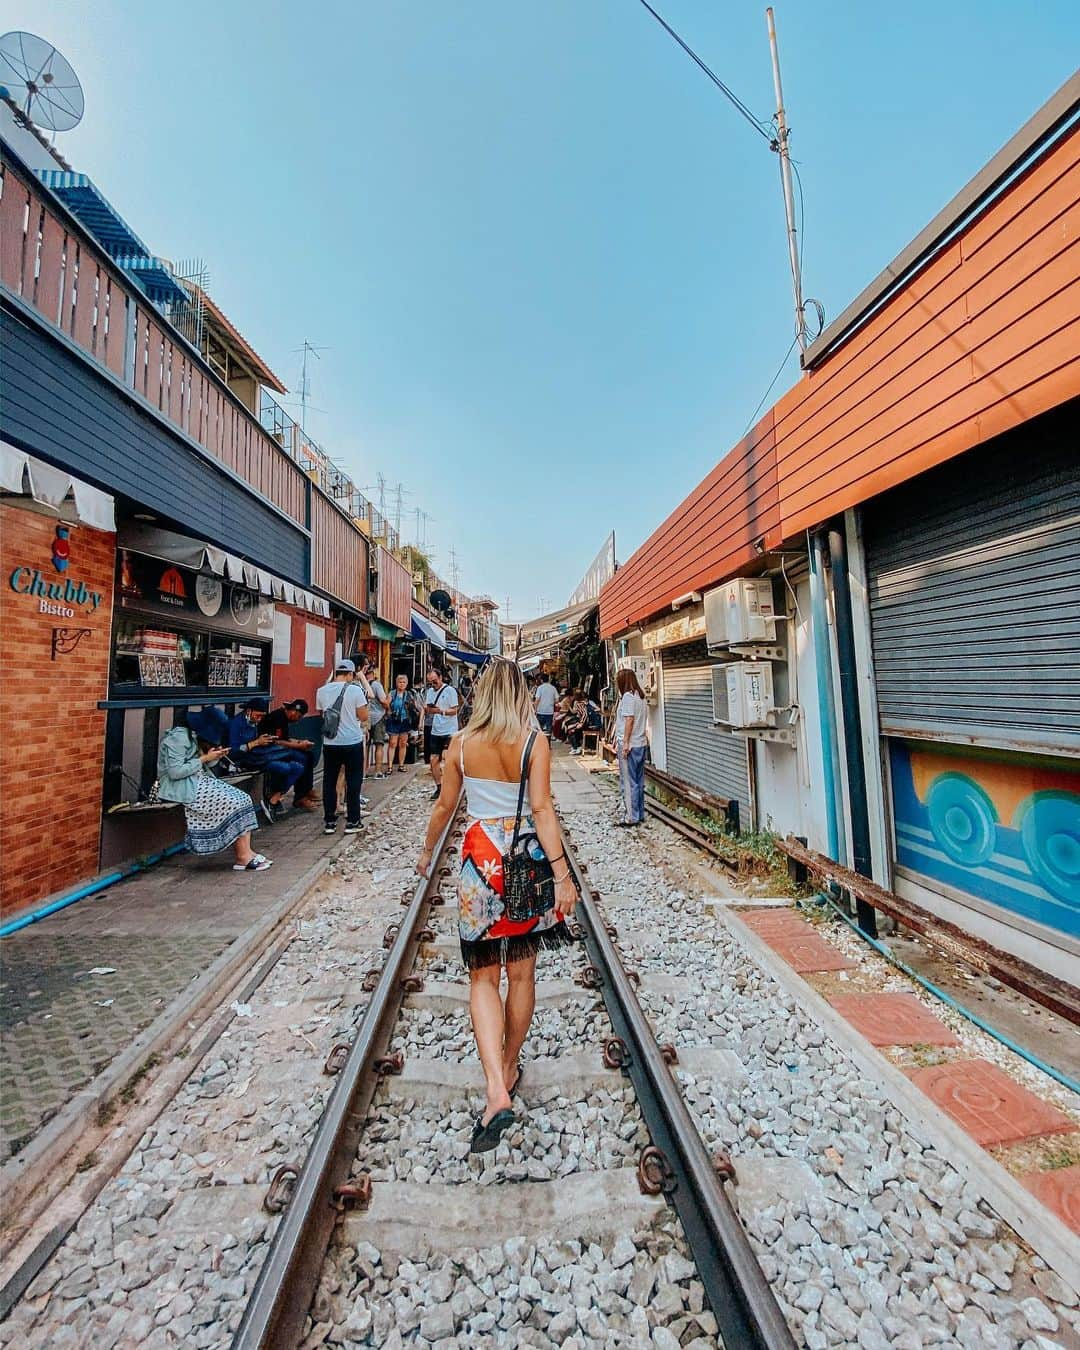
x=992 y=1107
x=795 y=940
x=1059 y=1191
x=893 y=1019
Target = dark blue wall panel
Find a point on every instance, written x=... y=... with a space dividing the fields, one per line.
x=54 y=404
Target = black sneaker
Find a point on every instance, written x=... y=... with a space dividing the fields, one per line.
x=354 y=828
x=329 y=828
x=436 y=794
x=267 y=810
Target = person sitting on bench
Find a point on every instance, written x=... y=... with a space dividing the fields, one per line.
x=250 y=749
x=278 y=723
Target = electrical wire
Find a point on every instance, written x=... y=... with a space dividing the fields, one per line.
x=765 y=395
x=762 y=128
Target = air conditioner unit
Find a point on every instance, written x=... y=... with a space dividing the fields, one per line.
x=743 y=693
x=740 y=613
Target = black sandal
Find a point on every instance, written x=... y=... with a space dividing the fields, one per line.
x=486 y=1137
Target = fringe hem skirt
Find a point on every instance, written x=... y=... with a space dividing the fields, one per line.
x=487 y=937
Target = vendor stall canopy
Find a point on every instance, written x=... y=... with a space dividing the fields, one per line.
x=193 y=553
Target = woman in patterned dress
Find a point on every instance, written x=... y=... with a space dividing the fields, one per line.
x=488 y=758
x=217 y=813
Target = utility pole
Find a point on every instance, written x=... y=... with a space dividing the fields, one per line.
x=397 y=509
x=784 y=152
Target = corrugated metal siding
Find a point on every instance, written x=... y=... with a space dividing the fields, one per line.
x=395 y=594
x=696 y=751
x=339 y=554
x=974 y=584
x=982 y=339
x=56 y=405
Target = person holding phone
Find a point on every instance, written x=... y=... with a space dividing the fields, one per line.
x=217 y=813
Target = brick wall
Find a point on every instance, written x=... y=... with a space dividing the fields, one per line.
x=52 y=736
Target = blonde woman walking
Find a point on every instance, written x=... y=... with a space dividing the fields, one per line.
x=500 y=746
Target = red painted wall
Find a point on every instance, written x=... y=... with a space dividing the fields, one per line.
x=295 y=679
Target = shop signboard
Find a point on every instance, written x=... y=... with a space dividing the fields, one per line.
x=600 y=571
x=150 y=585
x=686 y=628
x=58 y=595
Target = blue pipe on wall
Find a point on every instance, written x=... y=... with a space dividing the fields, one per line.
x=826 y=701
x=91 y=888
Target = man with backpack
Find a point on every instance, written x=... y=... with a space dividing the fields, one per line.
x=344 y=707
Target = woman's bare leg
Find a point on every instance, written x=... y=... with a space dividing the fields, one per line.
x=242 y=848
x=486 y=1008
x=520 y=1003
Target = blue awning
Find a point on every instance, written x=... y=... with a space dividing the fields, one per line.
x=473 y=658
x=155 y=277
x=427 y=631
x=104 y=222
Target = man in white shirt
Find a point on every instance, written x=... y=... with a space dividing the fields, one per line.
x=545 y=696
x=442 y=699
x=344 y=748
x=631 y=744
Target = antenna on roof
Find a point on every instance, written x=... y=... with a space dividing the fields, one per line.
x=305 y=386
x=40 y=82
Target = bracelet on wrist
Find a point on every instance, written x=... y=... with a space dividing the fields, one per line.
x=558 y=858
x=565 y=877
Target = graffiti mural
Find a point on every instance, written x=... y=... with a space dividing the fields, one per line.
x=1003 y=828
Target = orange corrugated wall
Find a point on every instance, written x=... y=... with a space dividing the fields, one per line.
x=984 y=338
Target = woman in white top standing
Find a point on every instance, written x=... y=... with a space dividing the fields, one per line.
x=488 y=757
x=631 y=742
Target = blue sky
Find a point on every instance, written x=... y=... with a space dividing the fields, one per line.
x=544 y=255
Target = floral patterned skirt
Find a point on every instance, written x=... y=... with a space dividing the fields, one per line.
x=487 y=936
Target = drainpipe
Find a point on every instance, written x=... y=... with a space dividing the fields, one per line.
x=826 y=694
x=849 y=707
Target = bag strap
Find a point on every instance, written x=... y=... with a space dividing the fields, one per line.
x=336 y=705
x=521 y=788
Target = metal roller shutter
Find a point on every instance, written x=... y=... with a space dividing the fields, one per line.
x=696 y=750
x=974 y=572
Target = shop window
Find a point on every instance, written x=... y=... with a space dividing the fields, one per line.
x=314 y=645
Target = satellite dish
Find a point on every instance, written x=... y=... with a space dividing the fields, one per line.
x=40 y=81
x=441 y=602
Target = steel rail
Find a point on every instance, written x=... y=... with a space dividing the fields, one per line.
x=744 y=1305
x=279 y=1304
x=690 y=831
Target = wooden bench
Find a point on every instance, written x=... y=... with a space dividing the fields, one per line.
x=248 y=776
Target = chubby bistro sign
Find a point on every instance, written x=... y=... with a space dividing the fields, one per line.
x=59 y=598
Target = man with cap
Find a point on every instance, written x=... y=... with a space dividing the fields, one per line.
x=251 y=749
x=343 y=744
x=278 y=724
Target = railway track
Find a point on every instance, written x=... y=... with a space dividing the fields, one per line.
x=674 y=1166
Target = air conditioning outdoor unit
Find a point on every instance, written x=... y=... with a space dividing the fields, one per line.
x=743 y=693
x=740 y=613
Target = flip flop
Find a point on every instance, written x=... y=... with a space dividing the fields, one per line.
x=512 y=1092
x=486 y=1137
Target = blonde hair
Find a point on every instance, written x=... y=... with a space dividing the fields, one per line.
x=502 y=708
x=626 y=681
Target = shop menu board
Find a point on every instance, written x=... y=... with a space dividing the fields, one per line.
x=179 y=629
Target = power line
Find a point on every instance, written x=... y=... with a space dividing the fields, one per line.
x=762 y=128
x=765 y=395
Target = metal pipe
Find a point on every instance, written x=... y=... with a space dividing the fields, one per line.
x=782 y=149
x=849 y=706
x=826 y=694
x=91 y=888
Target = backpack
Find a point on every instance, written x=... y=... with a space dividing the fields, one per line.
x=331 y=718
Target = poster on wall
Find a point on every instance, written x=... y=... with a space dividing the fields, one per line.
x=1003 y=828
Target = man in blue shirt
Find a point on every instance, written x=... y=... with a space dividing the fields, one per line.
x=279 y=766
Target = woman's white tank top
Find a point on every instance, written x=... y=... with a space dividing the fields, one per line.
x=492 y=798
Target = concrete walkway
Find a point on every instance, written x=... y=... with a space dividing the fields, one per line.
x=77 y=988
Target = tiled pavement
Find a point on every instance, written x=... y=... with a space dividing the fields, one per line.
x=61 y=1024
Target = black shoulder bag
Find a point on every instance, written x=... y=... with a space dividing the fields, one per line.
x=528 y=881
